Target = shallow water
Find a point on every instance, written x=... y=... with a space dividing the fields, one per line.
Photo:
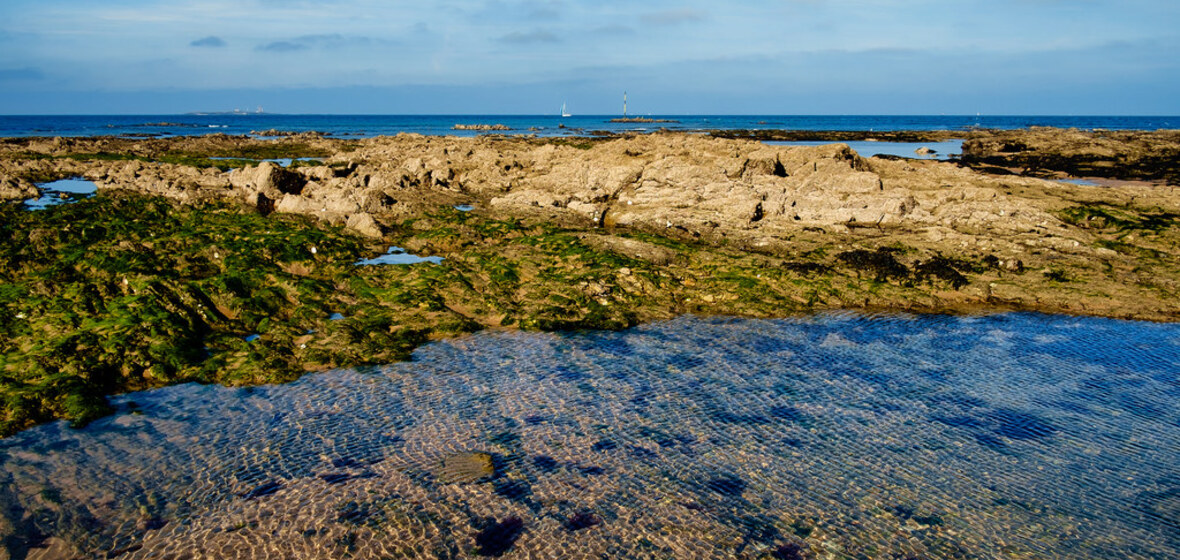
x=837 y=436
x=397 y=255
x=942 y=150
x=1081 y=182
x=63 y=191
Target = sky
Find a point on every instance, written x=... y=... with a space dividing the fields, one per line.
x=1014 y=57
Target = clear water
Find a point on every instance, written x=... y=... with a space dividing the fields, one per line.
x=942 y=150
x=1082 y=182
x=397 y=255
x=837 y=436
x=542 y=125
x=63 y=191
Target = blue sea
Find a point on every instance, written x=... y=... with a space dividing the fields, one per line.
x=541 y=125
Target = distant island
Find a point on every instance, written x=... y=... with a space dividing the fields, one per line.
x=257 y=111
x=642 y=120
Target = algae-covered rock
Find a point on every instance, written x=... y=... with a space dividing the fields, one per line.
x=464 y=468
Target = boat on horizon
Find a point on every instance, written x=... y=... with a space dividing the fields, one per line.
x=564 y=112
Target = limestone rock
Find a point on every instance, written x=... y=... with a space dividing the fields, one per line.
x=364 y=224
x=16 y=189
x=269 y=179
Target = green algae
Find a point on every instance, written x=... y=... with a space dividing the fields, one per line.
x=123 y=293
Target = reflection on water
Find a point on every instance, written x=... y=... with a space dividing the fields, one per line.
x=63 y=191
x=838 y=436
x=397 y=255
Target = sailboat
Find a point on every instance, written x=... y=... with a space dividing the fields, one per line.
x=564 y=113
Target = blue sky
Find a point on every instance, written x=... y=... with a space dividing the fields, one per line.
x=528 y=56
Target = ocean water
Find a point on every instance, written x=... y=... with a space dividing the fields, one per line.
x=542 y=125
x=832 y=436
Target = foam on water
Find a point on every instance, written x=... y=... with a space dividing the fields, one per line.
x=841 y=436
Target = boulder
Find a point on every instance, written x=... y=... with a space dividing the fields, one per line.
x=364 y=224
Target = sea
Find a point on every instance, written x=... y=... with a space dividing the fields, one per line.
x=540 y=125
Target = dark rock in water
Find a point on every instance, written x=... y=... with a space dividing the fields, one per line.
x=729 y=485
x=789 y=551
x=263 y=490
x=581 y=520
x=802 y=528
x=499 y=537
x=352 y=513
x=346 y=463
x=1161 y=508
x=992 y=442
x=151 y=524
x=901 y=512
x=515 y=490
x=604 y=445
x=506 y=438
x=641 y=452
x=793 y=442
x=335 y=478
x=545 y=463
x=592 y=471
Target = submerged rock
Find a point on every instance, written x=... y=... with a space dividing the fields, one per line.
x=464 y=468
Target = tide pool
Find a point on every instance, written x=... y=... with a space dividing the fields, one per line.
x=833 y=436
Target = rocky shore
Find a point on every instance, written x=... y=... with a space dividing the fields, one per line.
x=201 y=261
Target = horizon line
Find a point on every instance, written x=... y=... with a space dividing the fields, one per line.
x=609 y=115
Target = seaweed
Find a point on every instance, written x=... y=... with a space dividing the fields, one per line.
x=498 y=537
x=880 y=263
x=945 y=269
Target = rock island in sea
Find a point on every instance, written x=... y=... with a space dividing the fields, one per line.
x=200 y=261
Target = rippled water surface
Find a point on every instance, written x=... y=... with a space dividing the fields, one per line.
x=837 y=436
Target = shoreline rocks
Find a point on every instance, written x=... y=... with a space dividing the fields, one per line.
x=481 y=127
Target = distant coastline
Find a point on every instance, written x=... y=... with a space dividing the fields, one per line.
x=368 y=126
